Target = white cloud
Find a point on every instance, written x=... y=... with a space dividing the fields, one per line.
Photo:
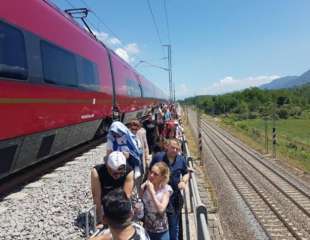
x=132 y=49
x=102 y=36
x=229 y=84
x=225 y=85
x=106 y=39
x=115 y=41
x=122 y=53
x=126 y=52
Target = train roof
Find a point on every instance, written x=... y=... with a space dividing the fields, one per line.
x=74 y=22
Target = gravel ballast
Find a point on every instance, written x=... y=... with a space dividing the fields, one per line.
x=49 y=207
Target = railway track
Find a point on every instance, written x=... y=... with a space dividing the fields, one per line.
x=278 y=201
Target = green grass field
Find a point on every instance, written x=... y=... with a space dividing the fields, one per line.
x=293 y=138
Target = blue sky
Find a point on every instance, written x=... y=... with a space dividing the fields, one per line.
x=217 y=45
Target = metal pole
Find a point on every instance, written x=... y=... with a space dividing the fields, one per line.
x=170 y=71
x=199 y=137
x=274 y=141
x=266 y=135
x=274 y=132
x=174 y=92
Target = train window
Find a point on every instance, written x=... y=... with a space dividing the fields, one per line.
x=13 y=62
x=133 y=88
x=59 y=65
x=89 y=77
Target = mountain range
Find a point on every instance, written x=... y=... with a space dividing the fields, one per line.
x=288 y=81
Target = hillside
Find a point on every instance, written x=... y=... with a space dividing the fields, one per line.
x=288 y=81
x=284 y=82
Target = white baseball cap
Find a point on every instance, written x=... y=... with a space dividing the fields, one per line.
x=115 y=160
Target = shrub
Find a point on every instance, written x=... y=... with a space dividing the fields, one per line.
x=282 y=113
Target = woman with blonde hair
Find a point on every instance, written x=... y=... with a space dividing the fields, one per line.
x=155 y=194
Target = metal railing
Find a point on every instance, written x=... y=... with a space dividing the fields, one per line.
x=199 y=209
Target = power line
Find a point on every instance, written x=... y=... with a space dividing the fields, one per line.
x=111 y=31
x=167 y=22
x=155 y=24
x=88 y=21
x=100 y=20
x=71 y=5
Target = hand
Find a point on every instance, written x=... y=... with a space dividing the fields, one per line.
x=182 y=185
x=99 y=226
x=150 y=186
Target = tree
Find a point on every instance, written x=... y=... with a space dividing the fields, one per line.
x=281 y=100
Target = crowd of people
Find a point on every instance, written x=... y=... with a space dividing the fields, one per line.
x=137 y=189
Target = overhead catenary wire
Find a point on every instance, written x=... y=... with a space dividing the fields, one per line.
x=167 y=21
x=100 y=20
x=90 y=23
x=68 y=2
x=155 y=24
x=108 y=28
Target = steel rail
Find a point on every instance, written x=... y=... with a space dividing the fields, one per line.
x=254 y=155
x=276 y=185
x=258 y=191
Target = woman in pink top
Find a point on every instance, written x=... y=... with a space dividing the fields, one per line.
x=155 y=194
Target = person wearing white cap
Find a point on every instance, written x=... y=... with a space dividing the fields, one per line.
x=115 y=173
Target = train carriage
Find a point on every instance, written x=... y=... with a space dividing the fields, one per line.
x=58 y=84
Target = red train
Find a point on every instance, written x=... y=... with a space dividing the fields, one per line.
x=58 y=84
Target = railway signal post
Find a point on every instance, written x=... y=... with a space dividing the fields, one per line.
x=266 y=135
x=274 y=140
x=199 y=136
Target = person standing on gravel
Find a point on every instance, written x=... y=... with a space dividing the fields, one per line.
x=115 y=173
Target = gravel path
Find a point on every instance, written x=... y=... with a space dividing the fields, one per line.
x=49 y=207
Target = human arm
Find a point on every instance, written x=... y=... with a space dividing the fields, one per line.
x=105 y=236
x=185 y=176
x=96 y=193
x=146 y=150
x=184 y=180
x=160 y=205
x=129 y=183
